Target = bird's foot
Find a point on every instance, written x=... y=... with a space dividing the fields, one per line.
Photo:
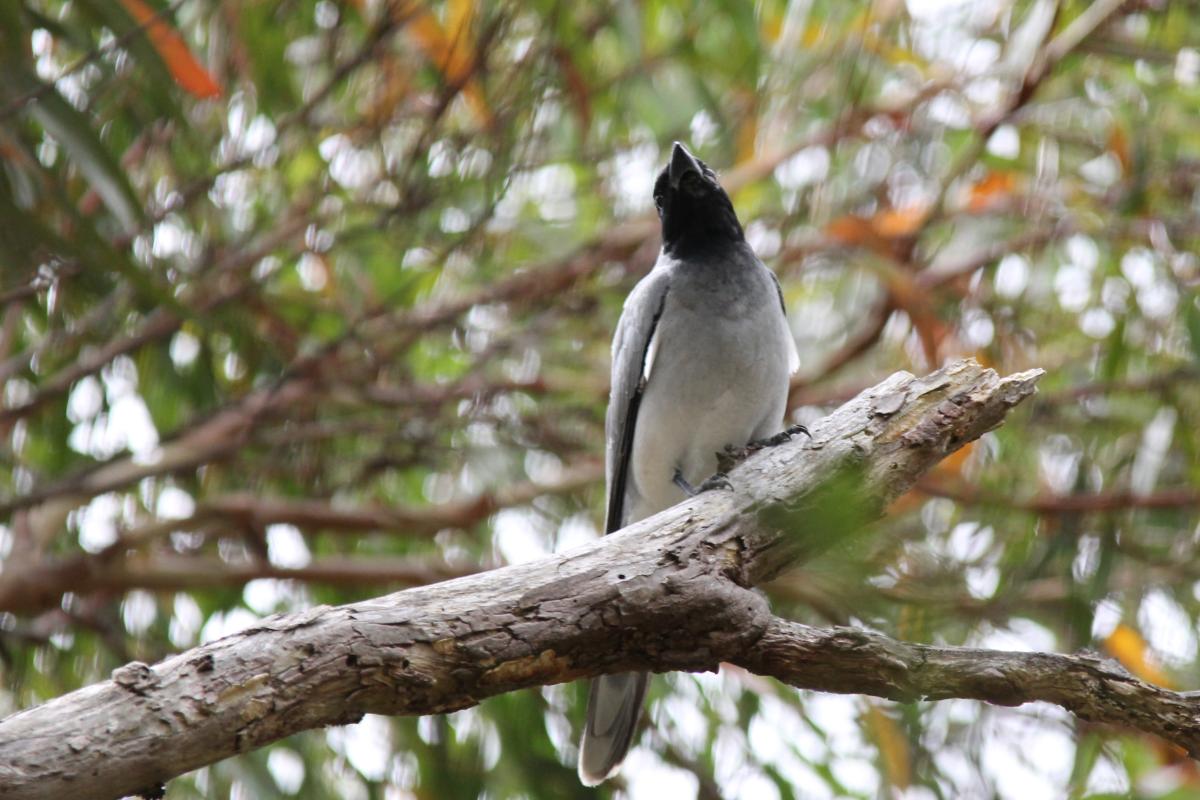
x=717 y=481
x=731 y=456
x=783 y=437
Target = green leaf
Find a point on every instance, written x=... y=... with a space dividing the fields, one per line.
x=1087 y=751
x=74 y=132
x=1191 y=319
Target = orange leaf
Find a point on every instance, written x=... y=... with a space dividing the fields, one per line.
x=1118 y=143
x=771 y=24
x=904 y=503
x=954 y=463
x=1127 y=646
x=885 y=232
x=993 y=189
x=896 y=222
x=184 y=67
x=856 y=231
x=893 y=747
x=747 y=138
x=450 y=50
x=746 y=134
x=850 y=229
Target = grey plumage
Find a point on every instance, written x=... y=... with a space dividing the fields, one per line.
x=701 y=359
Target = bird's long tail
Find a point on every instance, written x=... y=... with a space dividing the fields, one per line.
x=614 y=705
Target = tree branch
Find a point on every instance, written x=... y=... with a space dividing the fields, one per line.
x=669 y=593
x=40 y=583
x=1045 y=504
x=856 y=661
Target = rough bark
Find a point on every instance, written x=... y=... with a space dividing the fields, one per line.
x=669 y=593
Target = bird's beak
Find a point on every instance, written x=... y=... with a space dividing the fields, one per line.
x=682 y=162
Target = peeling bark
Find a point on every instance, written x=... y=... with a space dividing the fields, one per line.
x=669 y=593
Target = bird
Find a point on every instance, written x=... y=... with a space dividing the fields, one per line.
x=702 y=358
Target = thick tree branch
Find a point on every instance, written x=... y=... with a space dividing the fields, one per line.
x=669 y=593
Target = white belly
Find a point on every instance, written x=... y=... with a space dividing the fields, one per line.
x=714 y=382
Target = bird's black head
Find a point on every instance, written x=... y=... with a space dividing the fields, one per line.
x=696 y=213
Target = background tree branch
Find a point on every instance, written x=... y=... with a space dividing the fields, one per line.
x=857 y=661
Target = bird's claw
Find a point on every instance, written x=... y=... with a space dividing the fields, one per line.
x=718 y=480
x=783 y=437
x=731 y=456
x=787 y=435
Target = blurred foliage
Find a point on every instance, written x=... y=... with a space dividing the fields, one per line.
x=265 y=266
